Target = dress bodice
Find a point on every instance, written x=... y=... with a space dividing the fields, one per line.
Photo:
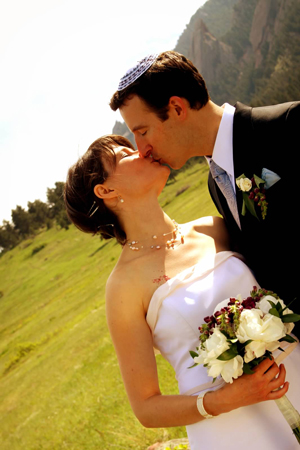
x=179 y=306
x=176 y=310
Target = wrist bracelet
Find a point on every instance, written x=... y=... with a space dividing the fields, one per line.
x=201 y=408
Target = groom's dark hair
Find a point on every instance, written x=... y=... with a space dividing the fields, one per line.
x=170 y=74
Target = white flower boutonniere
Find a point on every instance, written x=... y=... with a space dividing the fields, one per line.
x=254 y=195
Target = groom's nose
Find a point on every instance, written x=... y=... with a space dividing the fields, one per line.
x=144 y=150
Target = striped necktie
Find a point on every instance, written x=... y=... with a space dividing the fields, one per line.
x=223 y=182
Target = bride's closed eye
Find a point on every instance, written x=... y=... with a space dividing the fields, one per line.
x=124 y=155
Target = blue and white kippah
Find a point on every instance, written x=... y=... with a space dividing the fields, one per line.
x=135 y=72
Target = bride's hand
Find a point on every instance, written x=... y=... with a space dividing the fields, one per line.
x=267 y=383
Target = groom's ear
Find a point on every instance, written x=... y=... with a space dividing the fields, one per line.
x=178 y=106
x=102 y=191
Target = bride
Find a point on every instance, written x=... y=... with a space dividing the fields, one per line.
x=167 y=279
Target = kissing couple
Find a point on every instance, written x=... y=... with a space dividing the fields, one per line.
x=170 y=276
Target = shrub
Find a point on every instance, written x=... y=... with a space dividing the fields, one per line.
x=38 y=249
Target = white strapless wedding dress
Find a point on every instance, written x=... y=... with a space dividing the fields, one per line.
x=176 y=310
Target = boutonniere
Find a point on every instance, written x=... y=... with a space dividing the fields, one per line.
x=254 y=195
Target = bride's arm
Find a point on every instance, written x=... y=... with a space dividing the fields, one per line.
x=133 y=343
x=132 y=340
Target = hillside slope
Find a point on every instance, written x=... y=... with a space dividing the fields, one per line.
x=60 y=385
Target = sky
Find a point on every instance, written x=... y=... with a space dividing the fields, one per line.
x=60 y=63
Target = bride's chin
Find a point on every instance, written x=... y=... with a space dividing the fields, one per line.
x=163 y=184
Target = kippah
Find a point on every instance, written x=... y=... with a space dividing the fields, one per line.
x=135 y=72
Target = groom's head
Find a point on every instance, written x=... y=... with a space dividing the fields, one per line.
x=154 y=98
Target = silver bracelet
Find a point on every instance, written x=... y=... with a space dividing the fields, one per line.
x=201 y=408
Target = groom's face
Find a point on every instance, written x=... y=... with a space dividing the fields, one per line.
x=154 y=138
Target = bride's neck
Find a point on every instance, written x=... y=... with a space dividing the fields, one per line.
x=145 y=221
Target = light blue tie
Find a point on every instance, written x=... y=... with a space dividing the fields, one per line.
x=223 y=181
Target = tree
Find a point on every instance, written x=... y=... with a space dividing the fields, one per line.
x=22 y=222
x=56 y=204
x=39 y=212
x=9 y=237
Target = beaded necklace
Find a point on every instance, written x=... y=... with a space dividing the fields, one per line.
x=177 y=238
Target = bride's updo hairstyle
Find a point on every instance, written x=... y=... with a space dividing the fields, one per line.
x=88 y=212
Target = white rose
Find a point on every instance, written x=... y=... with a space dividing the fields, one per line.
x=215 y=345
x=244 y=184
x=256 y=326
x=289 y=327
x=265 y=306
x=258 y=348
x=227 y=369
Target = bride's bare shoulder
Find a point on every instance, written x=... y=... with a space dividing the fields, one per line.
x=213 y=222
x=212 y=226
x=124 y=281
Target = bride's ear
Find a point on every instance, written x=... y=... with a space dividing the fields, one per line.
x=102 y=191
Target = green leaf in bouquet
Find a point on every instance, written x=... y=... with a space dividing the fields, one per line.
x=287 y=318
x=272 y=303
x=193 y=355
x=247 y=369
x=194 y=365
x=244 y=344
x=289 y=304
x=276 y=306
x=288 y=338
x=274 y=312
x=229 y=354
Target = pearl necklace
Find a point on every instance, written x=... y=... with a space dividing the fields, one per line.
x=177 y=238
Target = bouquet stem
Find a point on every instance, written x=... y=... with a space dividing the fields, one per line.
x=290 y=414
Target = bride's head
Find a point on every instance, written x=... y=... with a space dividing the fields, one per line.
x=107 y=180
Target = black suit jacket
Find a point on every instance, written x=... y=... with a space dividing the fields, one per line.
x=268 y=137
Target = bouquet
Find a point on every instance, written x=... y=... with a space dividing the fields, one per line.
x=243 y=332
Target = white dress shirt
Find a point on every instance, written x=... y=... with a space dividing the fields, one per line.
x=223 y=149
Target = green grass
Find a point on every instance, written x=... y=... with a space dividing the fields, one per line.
x=60 y=385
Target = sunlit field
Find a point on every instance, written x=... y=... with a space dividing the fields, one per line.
x=60 y=385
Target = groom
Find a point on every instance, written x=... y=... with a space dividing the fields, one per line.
x=252 y=153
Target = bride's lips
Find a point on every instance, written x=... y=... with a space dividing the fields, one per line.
x=154 y=159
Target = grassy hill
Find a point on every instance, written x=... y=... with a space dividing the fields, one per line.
x=60 y=386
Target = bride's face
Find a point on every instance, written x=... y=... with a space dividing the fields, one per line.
x=132 y=175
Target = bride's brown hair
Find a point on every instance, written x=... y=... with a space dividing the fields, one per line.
x=88 y=212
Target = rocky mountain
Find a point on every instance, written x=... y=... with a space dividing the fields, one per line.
x=247 y=50
x=254 y=57
x=121 y=129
